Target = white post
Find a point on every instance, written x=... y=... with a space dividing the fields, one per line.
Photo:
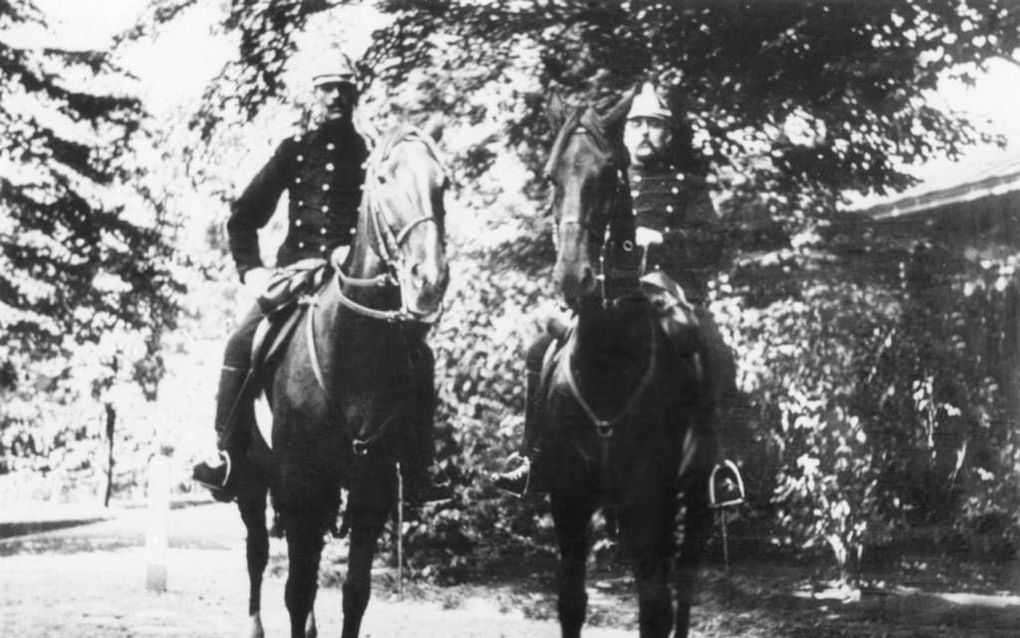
x=400 y=533
x=156 y=542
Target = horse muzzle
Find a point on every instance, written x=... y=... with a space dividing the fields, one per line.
x=576 y=281
x=422 y=289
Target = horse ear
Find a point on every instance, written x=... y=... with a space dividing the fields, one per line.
x=434 y=127
x=556 y=111
x=617 y=115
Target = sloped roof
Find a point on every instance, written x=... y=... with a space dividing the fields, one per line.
x=987 y=173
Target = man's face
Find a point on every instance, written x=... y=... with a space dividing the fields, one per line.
x=646 y=139
x=336 y=100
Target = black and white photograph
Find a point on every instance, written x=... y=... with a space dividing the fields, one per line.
x=492 y=318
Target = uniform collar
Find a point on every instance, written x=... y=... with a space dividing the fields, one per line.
x=335 y=128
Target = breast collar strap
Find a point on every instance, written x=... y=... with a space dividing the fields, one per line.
x=605 y=427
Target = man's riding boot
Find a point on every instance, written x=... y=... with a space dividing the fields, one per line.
x=234 y=416
x=516 y=479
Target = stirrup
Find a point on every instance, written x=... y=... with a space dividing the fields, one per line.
x=509 y=481
x=220 y=491
x=731 y=483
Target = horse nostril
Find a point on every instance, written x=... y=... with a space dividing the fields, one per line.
x=416 y=271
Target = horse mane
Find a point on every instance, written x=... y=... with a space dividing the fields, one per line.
x=621 y=225
x=381 y=151
x=561 y=141
x=397 y=135
x=588 y=118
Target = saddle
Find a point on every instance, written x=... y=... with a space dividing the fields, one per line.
x=283 y=309
x=626 y=271
x=676 y=315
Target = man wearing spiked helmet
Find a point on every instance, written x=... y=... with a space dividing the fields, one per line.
x=322 y=171
x=678 y=233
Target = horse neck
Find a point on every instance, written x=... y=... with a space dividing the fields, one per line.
x=340 y=332
x=364 y=263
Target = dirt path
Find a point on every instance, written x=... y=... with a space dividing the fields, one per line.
x=90 y=581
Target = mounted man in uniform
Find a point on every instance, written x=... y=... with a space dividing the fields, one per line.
x=679 y=243
x=322 y=171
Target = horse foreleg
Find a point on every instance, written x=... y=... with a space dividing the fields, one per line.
x=648 y=535
x=697 y=528
x=366 y=527
x=311 y=631
x=573 y=532
x=304 y=549
x=253 y=513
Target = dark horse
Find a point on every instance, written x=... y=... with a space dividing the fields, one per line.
x=620 y=407
x=353 y=386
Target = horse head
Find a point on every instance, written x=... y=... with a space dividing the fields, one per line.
x=401 y=229
x=586 y=169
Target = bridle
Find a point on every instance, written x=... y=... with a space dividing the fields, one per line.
x=386 y=244
x=582 y=123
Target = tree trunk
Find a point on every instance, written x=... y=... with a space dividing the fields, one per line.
x=111 y=421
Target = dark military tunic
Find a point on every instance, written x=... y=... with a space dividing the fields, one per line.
x=677 y=205
x=322 y=170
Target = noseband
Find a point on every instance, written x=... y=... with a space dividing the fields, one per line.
x=386 y=245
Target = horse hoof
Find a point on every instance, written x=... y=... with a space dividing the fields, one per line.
x=255 y=627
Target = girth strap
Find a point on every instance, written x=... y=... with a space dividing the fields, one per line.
x=313 y=354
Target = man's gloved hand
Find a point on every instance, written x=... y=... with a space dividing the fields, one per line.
x=338 y=256
x=646 y=236
x=256 y=280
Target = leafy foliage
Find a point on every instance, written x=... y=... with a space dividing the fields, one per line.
x=85 y=257
x=874 y=379
x=801 y=100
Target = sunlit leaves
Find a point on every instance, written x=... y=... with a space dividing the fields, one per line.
x=85 y=257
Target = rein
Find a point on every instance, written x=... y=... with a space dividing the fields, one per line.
x=604 y=427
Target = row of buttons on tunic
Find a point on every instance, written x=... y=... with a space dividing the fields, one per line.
x=329 y=165
x=637 y=178
x=329 y=147
x=322 y=231
x=325 y=187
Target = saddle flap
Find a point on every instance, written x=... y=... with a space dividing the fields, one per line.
x=283 y=313
x=678 y=317
x=272 y=334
